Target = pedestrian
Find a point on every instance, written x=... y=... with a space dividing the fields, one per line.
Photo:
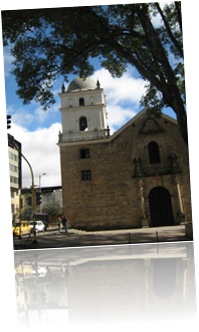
x=64 y=223
x=59 y=221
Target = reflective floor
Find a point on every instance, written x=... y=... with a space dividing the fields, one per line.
x=100 y=285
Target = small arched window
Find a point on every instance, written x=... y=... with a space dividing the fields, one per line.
x=81 y=101
x=82 y=123
x=154 y=153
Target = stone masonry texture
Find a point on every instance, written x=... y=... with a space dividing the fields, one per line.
x=118 y=194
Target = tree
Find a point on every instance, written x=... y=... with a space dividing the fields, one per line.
x=53 y=207
x=61 y=41
x=26 y=212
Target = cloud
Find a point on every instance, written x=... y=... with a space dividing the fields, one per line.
x=122 y=95
x=118 y=116
x=21 y=116
x=32 y=116
x=8 y=59
x=119 y=90
x=40 y=148
x=42 y=117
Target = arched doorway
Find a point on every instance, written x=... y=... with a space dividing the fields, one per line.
x=160 y=207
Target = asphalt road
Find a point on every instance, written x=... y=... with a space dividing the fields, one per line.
x=75 y=238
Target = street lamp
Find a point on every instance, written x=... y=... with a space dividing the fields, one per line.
x=40 y=189
x=40 y=181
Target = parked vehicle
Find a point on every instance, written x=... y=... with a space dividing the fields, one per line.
x=39 y=225
x=21 y=228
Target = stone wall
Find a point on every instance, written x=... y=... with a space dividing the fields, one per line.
x=117 y=196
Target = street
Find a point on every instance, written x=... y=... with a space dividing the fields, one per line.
x=77 y=238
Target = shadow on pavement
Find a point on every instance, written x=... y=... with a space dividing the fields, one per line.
x=76 y=238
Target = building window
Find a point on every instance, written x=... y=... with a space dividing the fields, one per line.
x=13 y=168
x=84 y=153
x=14 y=180
x=86 y=175
x=13 y=156
x=82 y=123
x=154 y=154
x=81 y=101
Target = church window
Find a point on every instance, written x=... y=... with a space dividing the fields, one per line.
x=154 y=153
x=82 y=123
x=84 y=153
x=81 y=101
x=86 y=175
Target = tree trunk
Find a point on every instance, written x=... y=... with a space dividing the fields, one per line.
x=173 y=99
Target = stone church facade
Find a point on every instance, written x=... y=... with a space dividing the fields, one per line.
x=137 y=177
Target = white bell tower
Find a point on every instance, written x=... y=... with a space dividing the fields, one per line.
x=83 y=109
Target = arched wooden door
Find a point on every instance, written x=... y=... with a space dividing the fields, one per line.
x=160 y=207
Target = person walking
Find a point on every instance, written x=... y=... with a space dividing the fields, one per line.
x=59 y=221
x=64 y=223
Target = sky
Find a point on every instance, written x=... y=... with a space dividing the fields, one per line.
x=38 y=130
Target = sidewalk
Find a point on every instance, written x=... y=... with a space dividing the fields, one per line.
x=79 y=238
x=143 y=235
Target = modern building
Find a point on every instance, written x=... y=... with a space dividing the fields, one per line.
x=14 y=148
x=137 y=177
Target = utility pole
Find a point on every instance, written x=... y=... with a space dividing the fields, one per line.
x=40 y=190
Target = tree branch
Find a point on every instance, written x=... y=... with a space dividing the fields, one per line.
x=173 y=39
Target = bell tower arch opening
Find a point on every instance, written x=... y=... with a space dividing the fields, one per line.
x=82 y=123
x=81 y=101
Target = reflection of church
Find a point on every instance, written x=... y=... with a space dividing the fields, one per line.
x=137 y=177
x=103 y=285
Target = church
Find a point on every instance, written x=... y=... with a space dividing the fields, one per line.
x=137 y=177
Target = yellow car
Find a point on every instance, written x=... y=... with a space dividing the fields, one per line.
x=21 y=228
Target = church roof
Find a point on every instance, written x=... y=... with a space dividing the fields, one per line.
x=82 y=83
x=140 y=114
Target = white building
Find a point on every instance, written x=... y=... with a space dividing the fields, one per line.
x=15 y=174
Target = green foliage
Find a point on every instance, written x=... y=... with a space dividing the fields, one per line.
x=26 y=213
x=47 y=43
x=52 y=208
x=28 y=200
